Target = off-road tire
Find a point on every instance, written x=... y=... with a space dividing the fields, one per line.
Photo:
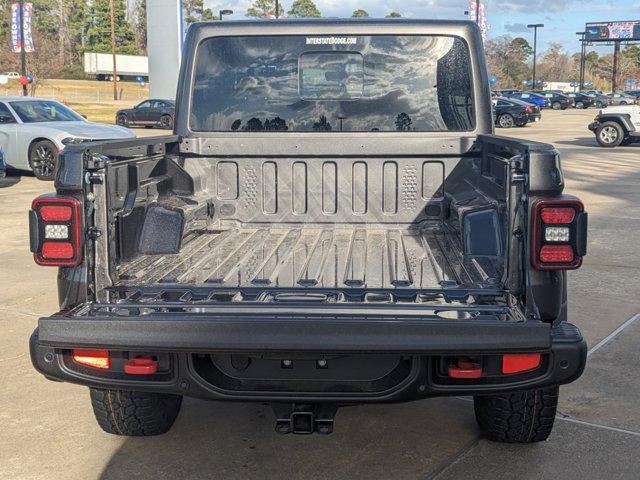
x=610 y=134
x=521 y=417
x=134 y=414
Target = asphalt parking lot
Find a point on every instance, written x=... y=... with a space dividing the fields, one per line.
x=48 y=430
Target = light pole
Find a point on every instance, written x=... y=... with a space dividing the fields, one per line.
x=582 y=59
x=113 y=49
x=277 y=7
x=224 y=12
x=535 y=27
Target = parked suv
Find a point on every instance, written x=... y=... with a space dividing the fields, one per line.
x=313 y=235
x=617 y=125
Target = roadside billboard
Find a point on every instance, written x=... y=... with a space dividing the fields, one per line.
x=608 y=31
x=16 y=18
x=632 y=84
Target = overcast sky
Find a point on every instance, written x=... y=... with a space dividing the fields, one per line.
x=562 y=18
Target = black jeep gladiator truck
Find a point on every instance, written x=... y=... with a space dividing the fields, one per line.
x=332 y=223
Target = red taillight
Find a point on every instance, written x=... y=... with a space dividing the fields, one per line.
x=520 y=362
x=528 y=109
x=56 y=231
x=56 y=213
x=558 y=234
x=556 y=254
x=557 y=214
x=56 y=250
x=465 y=369
x=92 y=358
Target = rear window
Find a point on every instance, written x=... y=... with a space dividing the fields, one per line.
x=324 y=83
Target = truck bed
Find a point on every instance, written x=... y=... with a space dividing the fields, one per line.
x=315 y=256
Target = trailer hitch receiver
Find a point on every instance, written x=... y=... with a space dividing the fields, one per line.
x=304 y=418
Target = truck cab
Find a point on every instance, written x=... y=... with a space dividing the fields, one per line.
x=333 y=222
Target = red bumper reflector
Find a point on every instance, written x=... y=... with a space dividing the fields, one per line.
x=92 y=358
x=141 y=366
x=556 y=254
x=57 y=251
x=557 y=214
x=465 y=369
x=55 y=213
x=520 y=362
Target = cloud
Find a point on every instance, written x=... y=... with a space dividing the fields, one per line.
x=516 y=27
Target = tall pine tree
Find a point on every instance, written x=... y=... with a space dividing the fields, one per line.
x=98 y=38
x=304 y=9
x=264 y=9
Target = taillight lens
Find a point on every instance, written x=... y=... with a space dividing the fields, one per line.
x=556 y=254
x=92 y=358
x=56 y=231
x=528 y=109
x=559 y=234
x=557 y=214
x=520 y=362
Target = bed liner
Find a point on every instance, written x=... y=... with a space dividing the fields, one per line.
x=316 y=256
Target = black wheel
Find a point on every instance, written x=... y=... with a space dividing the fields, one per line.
x=506 y=121
x=610 y=134
x=43 y=159
x=122 y=120
x=623 y=103
x=166 y=122
x=134 y=414
x=580 y=105
x=556 y=106
x=521 y=417
x=599 y=105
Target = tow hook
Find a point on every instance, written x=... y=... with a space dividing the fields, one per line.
x=304 y=418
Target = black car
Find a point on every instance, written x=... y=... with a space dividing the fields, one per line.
x=558 y=101
x=150 y=113
x=534 y=111
x=581 y=100
x=510 y=114
x=507 y=91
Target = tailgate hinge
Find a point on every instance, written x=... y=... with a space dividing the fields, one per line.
x=93 y=233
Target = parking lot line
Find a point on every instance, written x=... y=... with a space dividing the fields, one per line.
x=613 y=334
x=597 y=425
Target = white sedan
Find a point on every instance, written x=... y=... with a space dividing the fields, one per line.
x=33 y=131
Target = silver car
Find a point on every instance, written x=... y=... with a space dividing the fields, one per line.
x=33 y=131
x=621 y=99
x=3 y=166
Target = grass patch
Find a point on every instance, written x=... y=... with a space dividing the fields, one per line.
x=97 y=112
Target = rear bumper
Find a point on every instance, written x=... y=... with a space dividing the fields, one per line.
x=422 y=345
